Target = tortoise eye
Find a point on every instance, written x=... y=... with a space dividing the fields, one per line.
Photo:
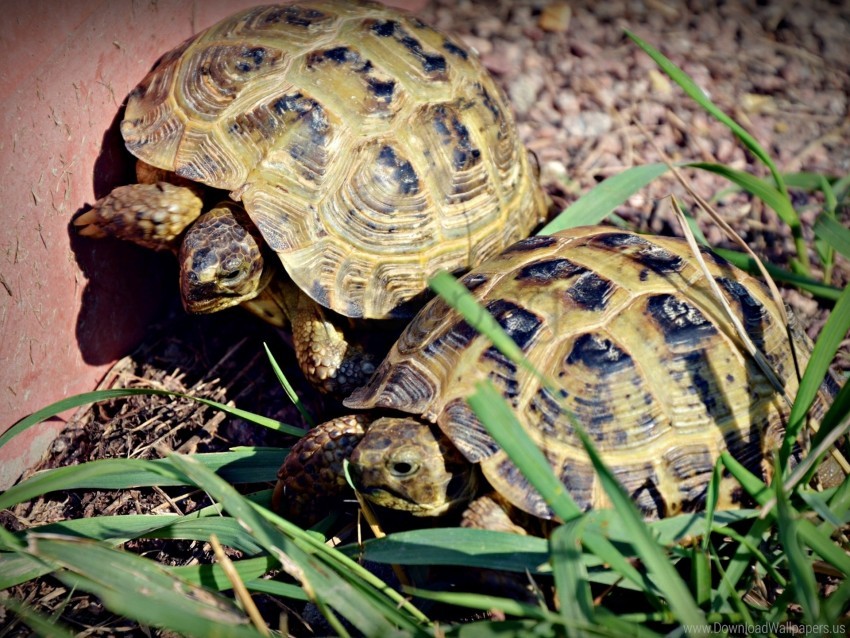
x=403 y=469
x=231 y=275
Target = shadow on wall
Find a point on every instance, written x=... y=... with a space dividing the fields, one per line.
x=119 y=275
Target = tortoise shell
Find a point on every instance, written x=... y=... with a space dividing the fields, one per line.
x=644 y=355
x=369 y=149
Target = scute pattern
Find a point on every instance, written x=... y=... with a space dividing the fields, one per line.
x=355 y=136
x=646 y=359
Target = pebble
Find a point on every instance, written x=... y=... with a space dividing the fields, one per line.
x=523 y=92
x=588 y=124
x=555 y=17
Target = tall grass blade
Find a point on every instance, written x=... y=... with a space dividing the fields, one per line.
x=831 y=231
x=85 y=398
x=247 y=465
x=502 y=424
x=802 y=579
x=374 y=615
x=571 y=581
x=594 y=206
x=41 y=625
x=748 y=264
x=770 y=195
x=700 y=97
x=813 y=537
x=664 y=574
x=834 y=331
x=288 y=389
x=141 y=589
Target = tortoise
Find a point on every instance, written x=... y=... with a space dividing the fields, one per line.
x=368 y=149
x=643 y=356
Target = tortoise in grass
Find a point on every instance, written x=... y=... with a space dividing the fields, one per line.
x=369 y=151
x=644 y=357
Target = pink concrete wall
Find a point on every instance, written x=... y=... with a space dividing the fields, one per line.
x=70 y=307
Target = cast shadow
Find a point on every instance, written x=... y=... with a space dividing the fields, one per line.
x=126 y=287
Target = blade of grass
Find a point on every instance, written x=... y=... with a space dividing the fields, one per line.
x=456 y=546
x=41 y=625
x=248 y=465
x=834 y=330
x=213 y=577
x=600 y=201
x=121 y=528
x=748 y=264
x=770 y=195
x=831 y=231
x=571 y=580
x=701 y=98
x=140 y=589
x=809 y=534
x=372 y=614
x=802 y=580
x=78 y=400
x=512 y=437
x=290 y=391
x=501 y=423
x=668 y=580
x=836 y=605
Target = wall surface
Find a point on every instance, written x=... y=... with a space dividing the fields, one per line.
x=69 y=307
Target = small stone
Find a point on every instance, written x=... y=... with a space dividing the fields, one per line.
x=523 y=91
x=588 y=124
x=555 y=17
x=660 y=84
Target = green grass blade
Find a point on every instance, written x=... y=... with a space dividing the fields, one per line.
x=835 y=607
x=276 y=588
x=814 y=538
x=290 y=391
x=502 y=424
x=105 y=395
x=802 y=580
x=771 y=196
x=699 y=96
x=41 y=625
x=213 y=576
x=20 y=568
x=247 y=465
x=571 y=581
x=665 y=576
x=603 y=198
x=141 y=589
x=831 y=231
x=489 y=406
x=837 y=412
x=459 y=298
x=372 y=614
x=479 y=548
x=834 y=331
x=121 y=528
x=486 y=602
x=806 y=181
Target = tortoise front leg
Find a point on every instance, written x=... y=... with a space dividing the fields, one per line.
x=333 y=362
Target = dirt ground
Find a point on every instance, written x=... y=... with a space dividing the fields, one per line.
x=579 y=88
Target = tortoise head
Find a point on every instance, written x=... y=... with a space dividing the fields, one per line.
x=222 y=261
x=404 y=464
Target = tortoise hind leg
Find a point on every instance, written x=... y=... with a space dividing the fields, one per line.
x=151 y=215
